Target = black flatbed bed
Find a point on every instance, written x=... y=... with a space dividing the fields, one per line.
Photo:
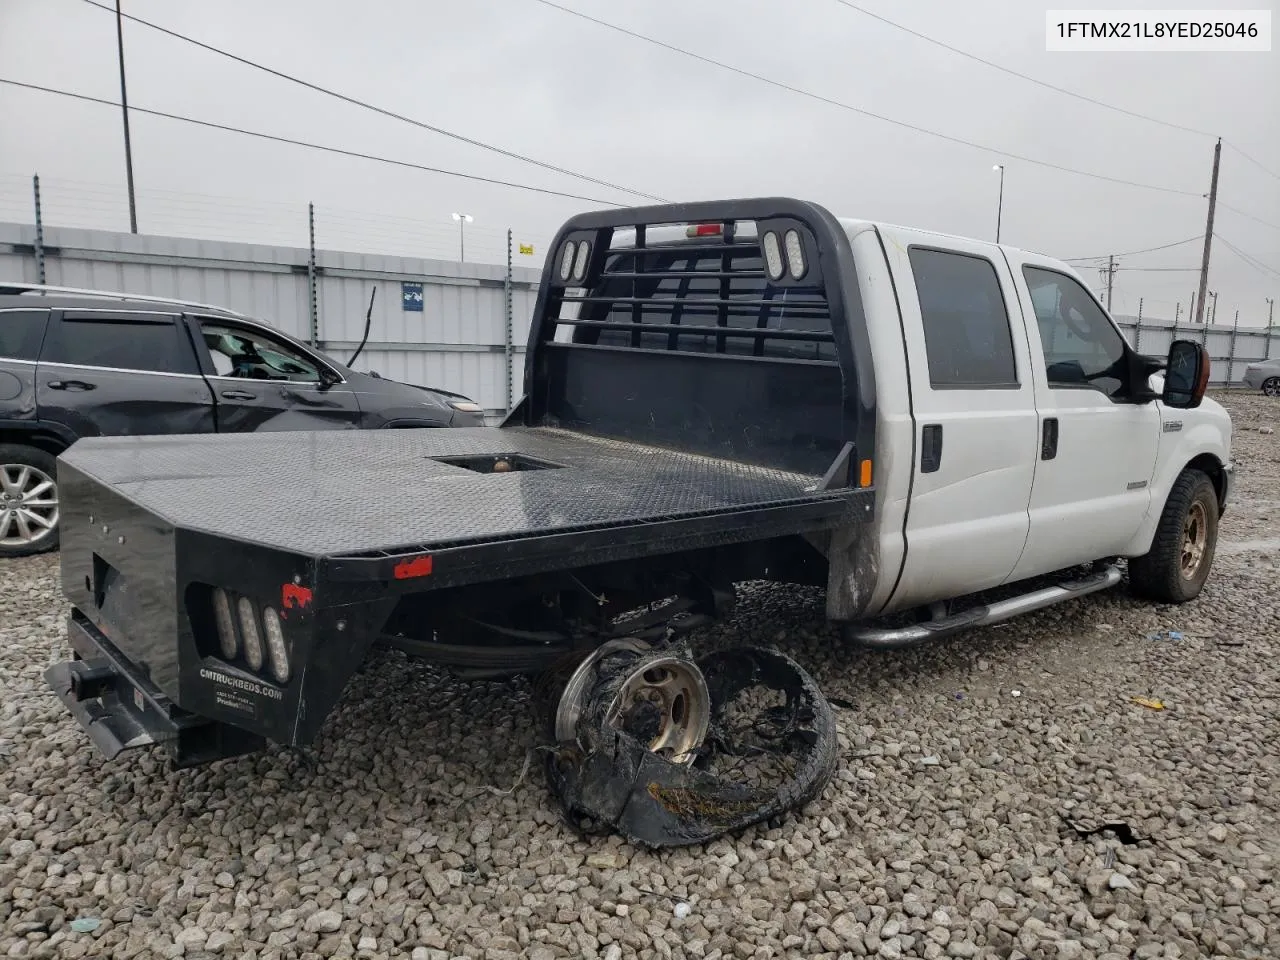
x=384 y=493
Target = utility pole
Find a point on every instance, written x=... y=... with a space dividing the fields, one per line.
x=1271 y=310
x=1111 y=273
x=1208 y=230
x=124 y=108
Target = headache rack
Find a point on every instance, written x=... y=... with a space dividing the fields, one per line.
x=732 y=328
x=706 y=294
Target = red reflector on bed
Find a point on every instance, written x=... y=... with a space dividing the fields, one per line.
x=416 y=567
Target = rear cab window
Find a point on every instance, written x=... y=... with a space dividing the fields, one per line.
x=21 y=333
x=966 y=322
x=707 y=284
x=141 y=342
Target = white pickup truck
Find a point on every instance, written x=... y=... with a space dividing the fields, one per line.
x=713 y=393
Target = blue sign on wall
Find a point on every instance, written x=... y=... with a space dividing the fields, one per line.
x=411 y=296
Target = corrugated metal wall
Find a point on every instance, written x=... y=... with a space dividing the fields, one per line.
x=457 y=342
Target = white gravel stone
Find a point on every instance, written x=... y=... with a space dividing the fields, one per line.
x=324 y=921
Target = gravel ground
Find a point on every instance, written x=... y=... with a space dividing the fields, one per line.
x=946 y=833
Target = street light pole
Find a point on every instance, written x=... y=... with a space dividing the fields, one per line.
x=1000 y=202
x=124 y=107
x=463 y=219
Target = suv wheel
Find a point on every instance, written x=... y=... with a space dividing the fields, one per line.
x=28 y=501
x=1271 y=386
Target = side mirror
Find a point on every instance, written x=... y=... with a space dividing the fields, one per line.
x=328 y=378
x=1186 y=375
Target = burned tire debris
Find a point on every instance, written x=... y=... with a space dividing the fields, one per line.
x=610 y=773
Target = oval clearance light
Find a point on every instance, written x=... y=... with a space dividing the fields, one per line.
x=252 y=637
x=228 y=644
x=566 y=260
x=580 y=265
x=772 y=256
x=277 y=648
x=795 y=255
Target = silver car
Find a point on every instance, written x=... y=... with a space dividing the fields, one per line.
x=1264 y=376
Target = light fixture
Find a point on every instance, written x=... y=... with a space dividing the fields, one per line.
x=566 y=260
x=795 y=254
x=772 y=256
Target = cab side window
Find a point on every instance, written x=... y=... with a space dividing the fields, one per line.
x=1081 y=347
x=243 y=353
x=966 y=324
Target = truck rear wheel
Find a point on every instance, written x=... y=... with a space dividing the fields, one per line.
x=1175 y=568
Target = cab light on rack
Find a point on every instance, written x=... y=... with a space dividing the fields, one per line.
x=566 y=260
x=772 y=256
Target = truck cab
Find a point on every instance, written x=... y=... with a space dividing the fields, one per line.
x=1019 y=433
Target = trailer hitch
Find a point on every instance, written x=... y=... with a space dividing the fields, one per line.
x=669 y=750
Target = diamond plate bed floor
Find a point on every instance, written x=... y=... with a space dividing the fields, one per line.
x=348 y=492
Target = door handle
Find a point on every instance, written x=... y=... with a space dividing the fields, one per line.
x=238 y=395
x=931 y=448
x=1049 y=439
x=70 y=385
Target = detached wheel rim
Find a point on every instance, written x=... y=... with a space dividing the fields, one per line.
x=665 y=704
x=28 y=505
x=1195 y=538
x=1271 y=386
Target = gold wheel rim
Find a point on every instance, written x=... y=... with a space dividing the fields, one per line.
x=1195 y=538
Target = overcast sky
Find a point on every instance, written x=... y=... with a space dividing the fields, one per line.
x=539 y=82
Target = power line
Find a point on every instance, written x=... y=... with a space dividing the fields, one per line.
x=313 y=146
x=1249 y=258
x=1249 y=216
x=376 y=109
x=1256 y=163
x=790 y=88
x=1022 y=76
x=1134 y=253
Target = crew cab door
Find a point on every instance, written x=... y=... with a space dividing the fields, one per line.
x=1097 y=450
x=121 y=373
x=973 y=404
x=261 y=381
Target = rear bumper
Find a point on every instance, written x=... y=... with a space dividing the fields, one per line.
x=120 y=709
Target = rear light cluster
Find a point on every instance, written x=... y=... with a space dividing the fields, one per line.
x=573 y=260
x=245 y=634
x=773 y=248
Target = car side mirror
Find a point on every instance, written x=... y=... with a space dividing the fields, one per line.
x=1186 y=375
x=328 y=378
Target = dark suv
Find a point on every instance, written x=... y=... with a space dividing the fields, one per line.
x=81 y=363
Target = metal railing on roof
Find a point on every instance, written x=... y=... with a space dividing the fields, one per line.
x=11 y=288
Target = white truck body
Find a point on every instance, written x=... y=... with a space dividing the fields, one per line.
x=996 y=510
